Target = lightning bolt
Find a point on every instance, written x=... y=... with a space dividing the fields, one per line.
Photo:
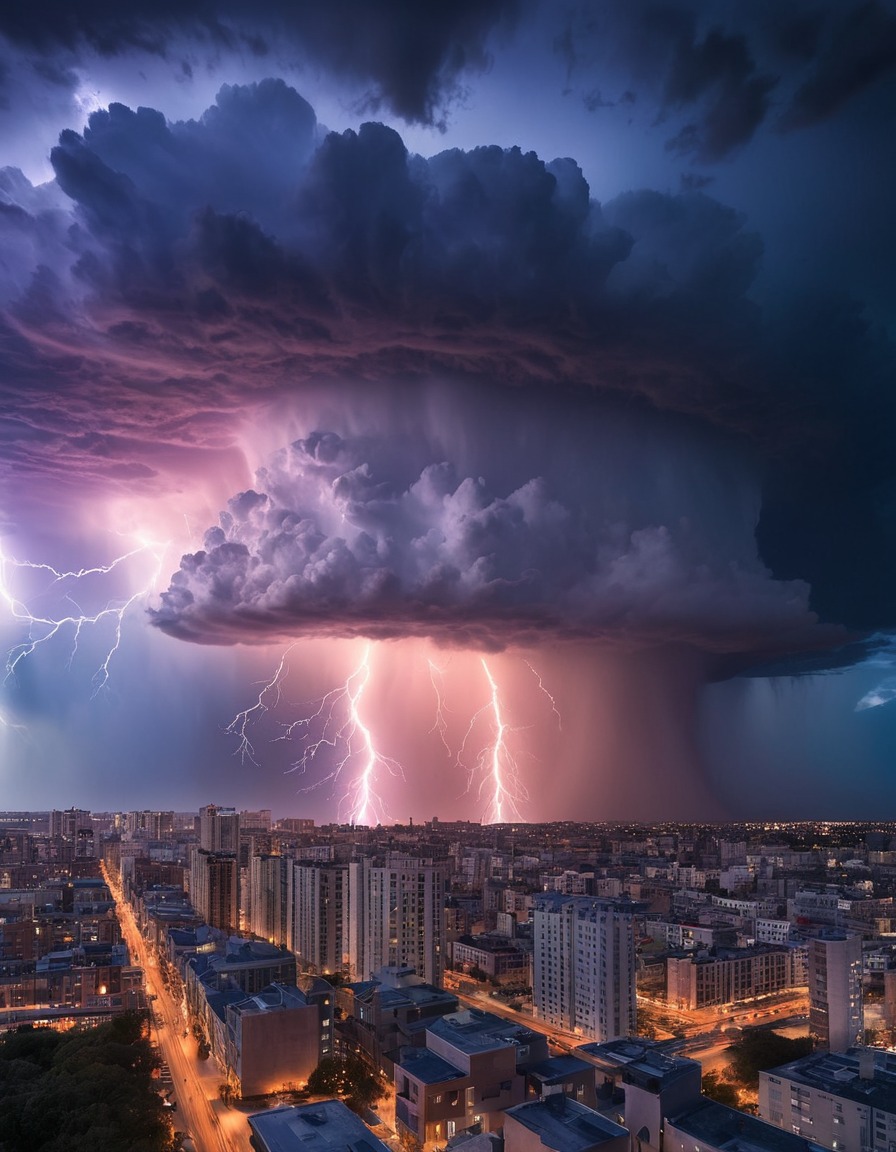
x=335 y=727
x=10 y=726
x=495 y=763
x=42 y=627
x=542 y=688
x=271 y=691
x=440 y=725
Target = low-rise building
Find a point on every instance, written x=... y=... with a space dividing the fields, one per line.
x=278 y=1036
x=495 y=956
x=389 y=1012
x=471 y=1071
x=654 y=1085
x=560 y=1124
x=729 y=974
x=327 y=1126
x=564 y=1074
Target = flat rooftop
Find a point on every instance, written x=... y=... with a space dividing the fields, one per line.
x=325 y=1127
x=427 y=1067
x=641 y=1062
x=837 y=1073
x=556 y=1068
x=566 y=1125
x=732 y=1131
x=473 y=1030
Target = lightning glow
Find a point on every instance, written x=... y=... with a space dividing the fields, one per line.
x=10 y=726
x=43 y=625
x=495 y=765
x=340 y=738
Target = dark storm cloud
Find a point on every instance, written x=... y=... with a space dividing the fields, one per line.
x=861 y=50
x=413 y=57
x=192 y=270
x=349 y=537
x=720 y=77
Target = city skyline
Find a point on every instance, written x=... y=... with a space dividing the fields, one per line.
x=480 y=413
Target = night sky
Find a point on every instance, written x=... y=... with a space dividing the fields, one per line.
x=358 y=357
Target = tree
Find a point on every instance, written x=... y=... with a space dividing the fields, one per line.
x=88 y=1088
x=759 y=1049
x=348 y=1077
x=719 y=1090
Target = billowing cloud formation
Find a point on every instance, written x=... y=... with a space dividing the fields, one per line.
x=350 y=537
x=177 y=277
x=199 y=265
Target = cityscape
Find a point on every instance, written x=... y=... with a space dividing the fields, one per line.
x=447 y=576
x=600 y=986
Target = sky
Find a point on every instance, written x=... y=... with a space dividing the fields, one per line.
x=478 y=409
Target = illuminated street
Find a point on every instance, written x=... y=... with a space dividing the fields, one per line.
x=213 y=1126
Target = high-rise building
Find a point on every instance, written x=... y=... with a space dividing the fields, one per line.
x=835 y=989
x=321 y=916
x=584 y=964
x=214 y=868
x=214 y=888
x=269 y=898
x=219 y=829
x=398 y=915
x=259 y=821
x=155 y=825
x=74 y=828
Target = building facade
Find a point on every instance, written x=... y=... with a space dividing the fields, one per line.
x=835 y=989
x=401 y=905
x=584 y=965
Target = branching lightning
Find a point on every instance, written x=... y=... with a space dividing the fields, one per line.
x=268 y=697
x=440 y=725
x=338 y=743
x=542 y=688
x=43 y=625
x=496 y=766
x=335 y=724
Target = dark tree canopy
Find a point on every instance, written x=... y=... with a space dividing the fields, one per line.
x=759 y=1049
x=80 y=1091
x=349 y=1078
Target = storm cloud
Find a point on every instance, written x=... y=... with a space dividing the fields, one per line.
x=178 y=273
x=716 y=81
x=647 y=540
x=410 y=58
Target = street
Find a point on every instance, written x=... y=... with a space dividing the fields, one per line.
x=213 y=1126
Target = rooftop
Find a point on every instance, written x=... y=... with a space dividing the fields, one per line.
x=641 y=1062
x=837 y=1073
x=732 y=1131
x=473 y=1030
x=557 y=1068
x=427 y=1067
x=273 y=998
x=565 y=1124
x=325 y=1127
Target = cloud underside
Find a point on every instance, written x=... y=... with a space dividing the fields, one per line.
x=338 y=546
